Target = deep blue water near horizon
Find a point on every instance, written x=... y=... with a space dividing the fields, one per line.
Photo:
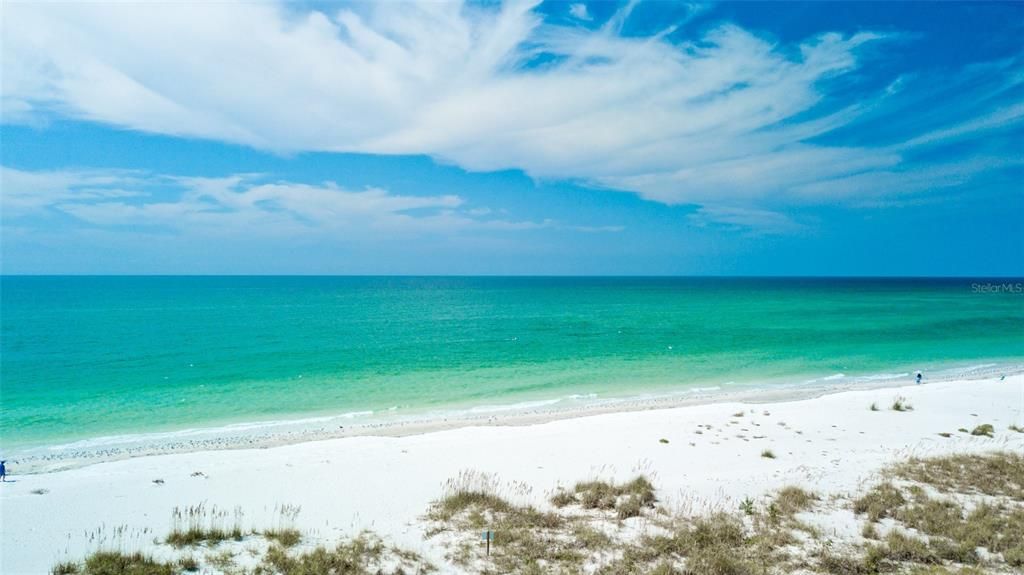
x=90 y=356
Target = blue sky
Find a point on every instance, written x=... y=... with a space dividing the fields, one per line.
x=513 y=138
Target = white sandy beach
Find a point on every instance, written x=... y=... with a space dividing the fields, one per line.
x=833 y=443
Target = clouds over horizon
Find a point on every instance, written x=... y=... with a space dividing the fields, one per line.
x=252 y=204
x=726 y=118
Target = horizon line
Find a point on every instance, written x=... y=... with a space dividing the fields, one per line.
x=594 y=276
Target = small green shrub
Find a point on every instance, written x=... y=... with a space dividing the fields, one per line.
x=984 y=429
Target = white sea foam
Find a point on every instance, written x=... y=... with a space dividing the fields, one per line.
x=883 y=376
x=521 y=406
x=198 y=432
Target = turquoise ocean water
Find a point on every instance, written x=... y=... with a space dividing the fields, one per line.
x=91 y=357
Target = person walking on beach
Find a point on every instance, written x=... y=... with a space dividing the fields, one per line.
x=3 y=471
x=919 y=378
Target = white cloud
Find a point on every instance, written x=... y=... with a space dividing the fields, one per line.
x=744 y=218
x=246 y=202
x=869 y=186
x=27 y=192
x=580 y=12
x=726 y=119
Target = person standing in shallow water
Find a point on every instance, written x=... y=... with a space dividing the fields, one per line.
x=919 y=378
x=3 y=471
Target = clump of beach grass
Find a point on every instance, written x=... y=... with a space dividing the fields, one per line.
x=65 y=568
x=523 y=535
x=873 y=407
x=284 y=531
x=365 y=554
x=984 y=429
x=223 y=560
x=116 y=563
x=198 y=524
x=627 y=499
x=188 y=563
x=792 y=499
x=719 y=543
x=1015 y=427
x=768 y=454
x=880 y=502
x=469 y=491
x=287 y=537
x=900 y=403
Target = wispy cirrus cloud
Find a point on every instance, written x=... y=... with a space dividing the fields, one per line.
x=249 y=203
x=26 y=192
x=726 y=119
x=759 y=221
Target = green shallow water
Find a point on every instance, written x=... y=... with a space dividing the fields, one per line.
x=86 y=357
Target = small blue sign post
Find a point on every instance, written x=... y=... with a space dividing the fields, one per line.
x=488 y=537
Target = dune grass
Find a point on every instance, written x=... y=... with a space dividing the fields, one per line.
x=900 y=403
x=792 y=499
x=198 y=524
x=365 y=554
x=117 y=563
x=288 y=537
x=188 y=564
x=880 y=502
x=927 y=516
x=65 y=568
x=994 y=474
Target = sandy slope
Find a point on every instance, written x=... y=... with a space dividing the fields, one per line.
x=832 y=443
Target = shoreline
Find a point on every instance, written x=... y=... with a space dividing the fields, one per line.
x=711 y=458
x=525 y=413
